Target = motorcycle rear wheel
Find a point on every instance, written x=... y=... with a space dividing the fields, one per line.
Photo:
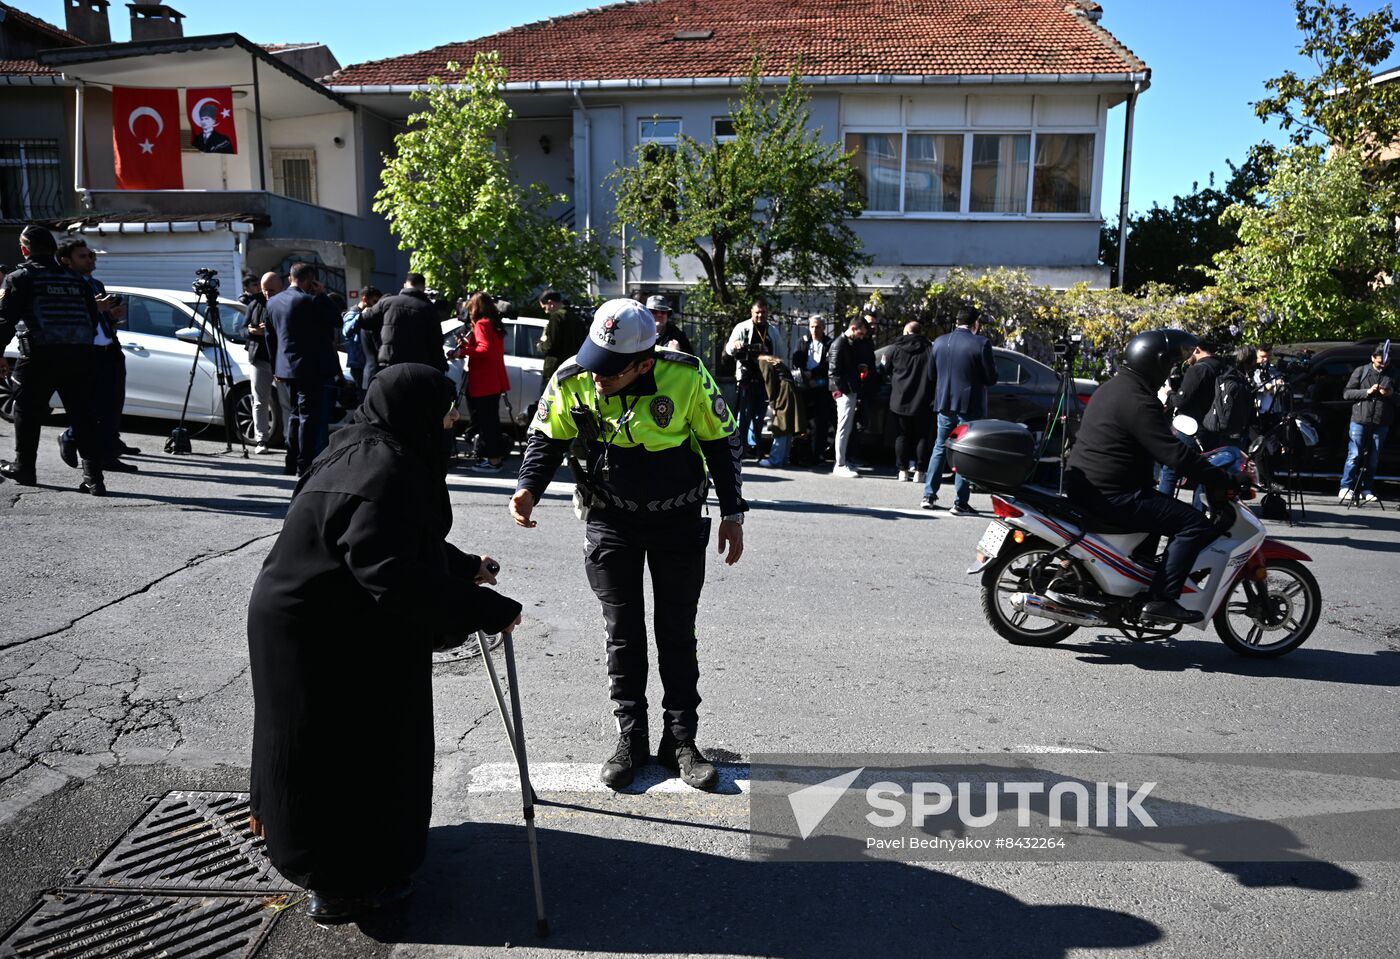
x=1298 y=604
x=1006 y=575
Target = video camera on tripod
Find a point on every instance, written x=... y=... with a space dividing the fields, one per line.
x=209 y=332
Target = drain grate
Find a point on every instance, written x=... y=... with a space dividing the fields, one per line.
x=78 y=925
x=189 y=842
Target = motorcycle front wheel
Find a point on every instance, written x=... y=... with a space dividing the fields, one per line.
x=1005 y=575
x=1266 y=624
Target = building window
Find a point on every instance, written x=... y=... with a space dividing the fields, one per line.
x=1064 y=172
x=933 y=173
x=724 y=130
x=294 y=174
x=877 y=161
x=29 y=179
x=1000 y=169
x=661 y=132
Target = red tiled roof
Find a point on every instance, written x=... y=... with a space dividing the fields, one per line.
x=25 y=68
x=63 y=37
x=638 y=39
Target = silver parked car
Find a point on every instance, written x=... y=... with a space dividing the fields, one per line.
x=159 y=337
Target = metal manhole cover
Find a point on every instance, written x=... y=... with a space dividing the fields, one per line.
x=79 y=925
x=188 y=842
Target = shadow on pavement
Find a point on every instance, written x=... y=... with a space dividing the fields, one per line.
x=621 y=896
x=1379 y=668
x=248 y=506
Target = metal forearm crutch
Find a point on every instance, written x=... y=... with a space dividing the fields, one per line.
x=515 y=734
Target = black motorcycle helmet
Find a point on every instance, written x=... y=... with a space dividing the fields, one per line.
x=1154 y=354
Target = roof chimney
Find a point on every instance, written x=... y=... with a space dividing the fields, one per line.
x=87 y=20
x=1088 y=9
x=154 y=21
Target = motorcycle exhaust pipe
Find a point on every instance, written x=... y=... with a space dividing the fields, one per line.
x=1035 y=605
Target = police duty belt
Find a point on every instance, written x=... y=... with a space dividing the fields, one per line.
x=696 y=495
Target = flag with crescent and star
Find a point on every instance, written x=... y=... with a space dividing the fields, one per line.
x=211 y=119
x=146 y=138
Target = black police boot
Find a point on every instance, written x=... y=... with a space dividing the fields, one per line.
x=684 y=757
x=326 y=909
x=92 y=483
x=21 y=473
x=633 y=752
x=1171 y=611
x=67 y=449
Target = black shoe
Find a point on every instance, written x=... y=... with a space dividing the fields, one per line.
x=124 y=450
x=1171 y=611
x=67 y=449
x=328 y=910
x=117 y=466
x=684 y=757
x=962 y=511
x=92 y=483
x=23 y=475
x=633 y=751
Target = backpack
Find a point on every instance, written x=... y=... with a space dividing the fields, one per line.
x=1274 y=507
x=1233 y=405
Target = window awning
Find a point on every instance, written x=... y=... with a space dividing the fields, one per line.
x=221 y=60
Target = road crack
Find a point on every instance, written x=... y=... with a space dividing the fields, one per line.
x=189 y=564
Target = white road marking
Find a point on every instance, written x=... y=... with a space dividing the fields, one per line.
x=583 y=778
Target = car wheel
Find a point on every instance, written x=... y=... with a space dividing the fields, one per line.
x=7 y=396
x=240 y=412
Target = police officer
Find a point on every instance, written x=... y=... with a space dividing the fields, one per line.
x=652 y=421
x=59 y=312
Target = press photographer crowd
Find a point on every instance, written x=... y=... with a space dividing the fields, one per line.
x=648 y=434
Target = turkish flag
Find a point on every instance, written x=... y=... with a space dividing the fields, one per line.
x=146 y=138
x=211 y=120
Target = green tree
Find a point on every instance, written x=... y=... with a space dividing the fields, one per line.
x=1316 y=257
x=448 y=195
x=1175 y=245
x=767 y=208
x=1339 y=103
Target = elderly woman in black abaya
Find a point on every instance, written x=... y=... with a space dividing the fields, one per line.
x=359 y=587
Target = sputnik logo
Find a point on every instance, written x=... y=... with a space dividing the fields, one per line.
x=811 y=804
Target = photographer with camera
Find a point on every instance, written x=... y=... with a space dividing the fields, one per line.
x=1270 y=404
x=748 y=341
x=1372 y=392
x=54 y=315
x=302 y=324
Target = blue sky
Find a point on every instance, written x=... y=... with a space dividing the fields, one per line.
x=1209 y=60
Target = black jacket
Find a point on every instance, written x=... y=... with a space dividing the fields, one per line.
x=56 y=306
x=911 y=393
x=1370 y=410
x=1197 y=392
x=817 y=376
x=1125 y=431
x=409 y=329
x=844 y=361
x=259 y=345
x=673 y=332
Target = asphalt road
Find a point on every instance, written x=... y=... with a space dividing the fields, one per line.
x=849 y=626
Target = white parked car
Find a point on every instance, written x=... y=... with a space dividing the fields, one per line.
x=158 y=362
x=524 y=366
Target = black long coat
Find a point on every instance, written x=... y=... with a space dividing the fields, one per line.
x=341 y=625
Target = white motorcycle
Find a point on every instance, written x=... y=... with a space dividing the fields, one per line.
x=1048 y=568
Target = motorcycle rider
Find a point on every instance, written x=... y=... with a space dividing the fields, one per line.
x=1124 y=432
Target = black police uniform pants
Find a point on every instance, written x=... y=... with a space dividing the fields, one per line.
x=1149 y=511
x=675 y=554
x=111 y=396
x=72 y=372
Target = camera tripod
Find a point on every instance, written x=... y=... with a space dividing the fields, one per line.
x=207 y=286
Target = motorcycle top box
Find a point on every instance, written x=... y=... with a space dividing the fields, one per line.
x=997 y=455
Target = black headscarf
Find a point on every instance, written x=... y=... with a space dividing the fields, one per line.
x=394 y=448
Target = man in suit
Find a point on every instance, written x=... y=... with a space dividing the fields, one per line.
x=301 y=325
x=961 y=368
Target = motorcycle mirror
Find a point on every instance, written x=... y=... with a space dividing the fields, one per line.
x=1185 y=424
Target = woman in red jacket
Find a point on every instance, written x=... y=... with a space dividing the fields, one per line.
x=485 y=349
